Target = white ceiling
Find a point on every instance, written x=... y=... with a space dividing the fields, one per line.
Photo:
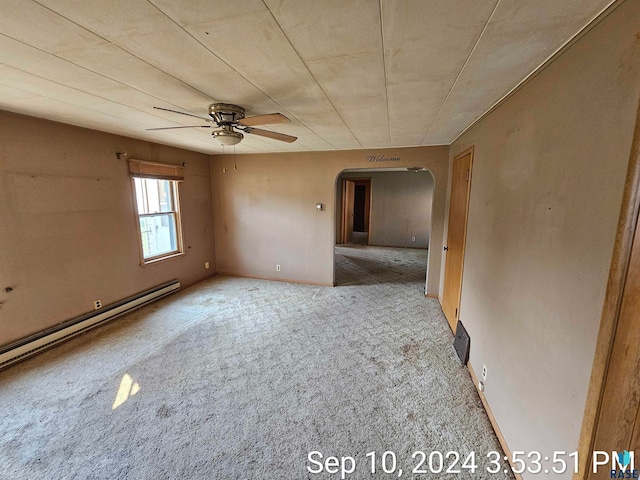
x=348 y=73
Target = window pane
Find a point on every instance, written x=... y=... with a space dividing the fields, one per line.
x=166 y=198
x=153 y=197
x=158 y=234
x=139 y=195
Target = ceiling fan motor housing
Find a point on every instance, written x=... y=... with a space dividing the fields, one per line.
x=226 y=113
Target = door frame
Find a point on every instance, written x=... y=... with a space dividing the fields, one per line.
x=610 y=338
x=343 y=207
x=469 y=151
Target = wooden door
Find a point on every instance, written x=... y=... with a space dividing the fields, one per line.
x=456 y=237
x=348 y=198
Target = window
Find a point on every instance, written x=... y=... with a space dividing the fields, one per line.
x=158 y=207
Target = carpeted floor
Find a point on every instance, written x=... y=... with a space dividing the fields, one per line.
x=241 y=379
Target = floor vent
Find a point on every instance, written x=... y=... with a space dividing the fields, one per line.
x=34 y=344
x=461 y=343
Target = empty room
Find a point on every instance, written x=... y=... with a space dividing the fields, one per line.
x=300 y=239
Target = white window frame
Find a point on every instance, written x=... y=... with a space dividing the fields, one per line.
x=155 y=171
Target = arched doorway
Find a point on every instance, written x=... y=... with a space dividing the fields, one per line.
x=384 y=207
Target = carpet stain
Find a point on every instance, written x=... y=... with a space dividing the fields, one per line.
x=163 y=411
x=377 y=363
x=411 y=351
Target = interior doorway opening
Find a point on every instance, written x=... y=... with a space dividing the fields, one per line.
x=383 y=208
x=356 y=211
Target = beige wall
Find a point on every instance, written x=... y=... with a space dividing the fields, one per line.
x=400 y=207
x=265 y=210
x=547 y=184
x=67 y=225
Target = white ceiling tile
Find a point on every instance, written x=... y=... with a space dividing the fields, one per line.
x=431 y=39
x=426 y=45
x=12 y=95
x=113 y=62
x=163 y=44
x=35 y=25
x=355 y=86
x=318 y=29
x=193 y=12
x=112 y=19
x=519 y=38
x=372 y=140
x=266 y=58
x=412 y=107
x=22 y=56
x=355 y=74
x=406 y=140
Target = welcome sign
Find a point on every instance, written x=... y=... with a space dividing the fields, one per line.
x=382 y=158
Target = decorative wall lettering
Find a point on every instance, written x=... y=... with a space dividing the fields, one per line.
x=382 y=158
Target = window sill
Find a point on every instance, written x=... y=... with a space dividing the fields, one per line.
x=155 y=261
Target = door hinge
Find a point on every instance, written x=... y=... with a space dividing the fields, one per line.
x=456 y=313
x=446 y=248
x=468 y=175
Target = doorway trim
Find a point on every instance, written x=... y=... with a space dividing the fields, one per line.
x=448 y=303
x=614 y=321
x=344 y=234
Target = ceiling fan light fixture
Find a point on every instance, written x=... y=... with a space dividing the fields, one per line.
x=227 y=138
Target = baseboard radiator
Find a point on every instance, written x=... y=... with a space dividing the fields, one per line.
x=34 y=344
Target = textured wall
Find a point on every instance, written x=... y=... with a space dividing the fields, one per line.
x=548 y=175
x=265 y=214
x=68 y=227
x=400 y=207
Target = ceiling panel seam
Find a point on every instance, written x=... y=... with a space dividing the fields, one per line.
x=384 y=67
x=117 y=46
x=115 y=80
x=475 y=45
x=605 y=12
x=88 y=70
x=84 y=107
x=313 y=77
x=239 y=73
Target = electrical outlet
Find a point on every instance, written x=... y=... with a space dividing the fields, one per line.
x=97 y=304
x=277 y=268
x=206 y=265
x=484 y=373
x=413 y=239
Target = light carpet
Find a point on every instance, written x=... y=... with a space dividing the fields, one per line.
x=240 y=379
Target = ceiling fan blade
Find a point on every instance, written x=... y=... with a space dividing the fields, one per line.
x=268 y=133
x=267 y=119
x=188 y=126
x=201 y=117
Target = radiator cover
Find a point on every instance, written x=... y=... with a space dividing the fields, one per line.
x=46 y=339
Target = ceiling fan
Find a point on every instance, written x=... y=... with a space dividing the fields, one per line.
x=229 y=119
